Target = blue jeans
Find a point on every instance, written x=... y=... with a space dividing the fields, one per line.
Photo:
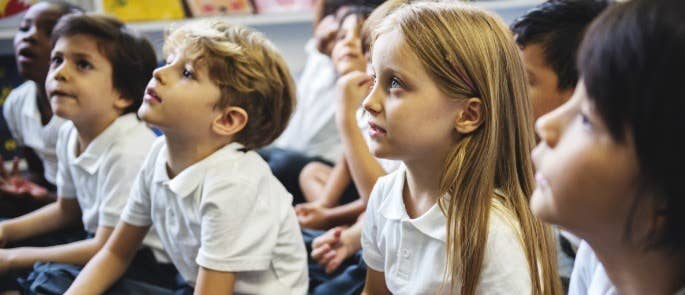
x=348 y=279
x=143 y=276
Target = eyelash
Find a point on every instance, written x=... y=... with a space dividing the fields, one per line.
x=188 y=74
x=585 y=121
x=395 y=83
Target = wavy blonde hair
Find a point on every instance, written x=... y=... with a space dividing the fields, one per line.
x=469 y=52
x=247 y=68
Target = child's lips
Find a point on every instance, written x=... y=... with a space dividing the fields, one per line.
x=61 y=93
x=375 y=131
x=151 y=96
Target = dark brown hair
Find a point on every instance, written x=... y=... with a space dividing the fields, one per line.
x=132 y=56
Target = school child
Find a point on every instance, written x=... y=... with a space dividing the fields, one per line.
x=325 y=186
x=312 y=134
x=336 y=265
x=548 y=37
x=96 y=81
x=28 y=114
x=225 y=220
x=449 y=101
x=609 y=166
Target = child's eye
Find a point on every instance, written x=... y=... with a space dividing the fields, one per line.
x=188 y=74
x=585 y=121
x=56 y=60
x=84 y=65
x=24 y=28
x=395 y=83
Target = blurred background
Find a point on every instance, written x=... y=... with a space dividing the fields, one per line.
x=287 y=23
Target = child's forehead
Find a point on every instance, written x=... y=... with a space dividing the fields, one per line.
x=43 y=11
x=82 y=44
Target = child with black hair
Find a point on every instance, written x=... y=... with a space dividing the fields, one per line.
x=28 y=114
x=609 y=166
x=97 y=76
x=548 y=37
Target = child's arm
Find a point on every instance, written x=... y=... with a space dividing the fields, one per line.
x=214 y=282
x=375 y=283
x=61 y=214
x=363 y=166
x=77 y=253
x=332 y=189
x=114 y=257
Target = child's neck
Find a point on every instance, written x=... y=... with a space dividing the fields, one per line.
x=422 y=187
x=186 y=150
x=633 y=270
x=43 y=103
x=88 y=131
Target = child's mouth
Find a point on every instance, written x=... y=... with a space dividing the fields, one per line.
x=60 y=93
x=375 y=131
x=151 y=96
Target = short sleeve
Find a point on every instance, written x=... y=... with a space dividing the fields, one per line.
x=121 y=170
x=138 y=207
x=238 y=231
x=371 y=253
x=65 y=181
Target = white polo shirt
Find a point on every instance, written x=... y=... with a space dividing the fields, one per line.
x=589 y=276
x=411 y=252
x=226 y=212
x=24 y=121
x=101 y=177
x=312 y=129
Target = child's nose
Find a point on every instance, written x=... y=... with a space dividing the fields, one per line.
x=372 y=102
x=60 y=72
x=157 y=74
x=550 y=126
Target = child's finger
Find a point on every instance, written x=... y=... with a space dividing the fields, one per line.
x=333 y=265
x=319 y=252
x=327 y=257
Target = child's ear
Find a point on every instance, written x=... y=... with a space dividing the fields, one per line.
x=231 y=121
x=470 y=116
x=121 y=103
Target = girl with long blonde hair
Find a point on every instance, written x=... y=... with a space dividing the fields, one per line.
x=449 y=101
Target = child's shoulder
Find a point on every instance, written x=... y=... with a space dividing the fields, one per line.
x=387 y=187
x=19 y=96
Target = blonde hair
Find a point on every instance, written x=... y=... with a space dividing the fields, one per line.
x=469 y=52
x=249 y=71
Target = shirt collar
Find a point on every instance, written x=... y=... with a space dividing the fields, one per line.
x=190 y=178
x=91 y=158
x=432 y=223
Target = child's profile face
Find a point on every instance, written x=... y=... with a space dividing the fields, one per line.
x=585 y=179
x=543 y=82
x=410 y=118
x=181 y=96
x=347 y=53
x=32 y=42
x=79 y=83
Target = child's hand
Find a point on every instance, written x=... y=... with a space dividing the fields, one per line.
x=325 y=33
x=11 y=183
x=352 y=89
x=332 y=248
x=312 y=215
